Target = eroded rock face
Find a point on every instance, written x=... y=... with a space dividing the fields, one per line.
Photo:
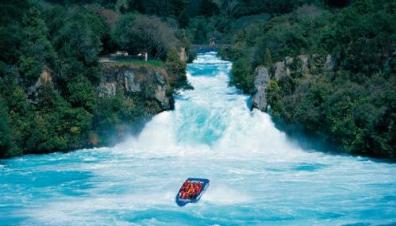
x=303 y=65
x=107 y=89
x=262 y=78
x=130 y=83
x=149 y=82
x=45 y=79
x=182 y=54
x=330 y=63
x=279 y=70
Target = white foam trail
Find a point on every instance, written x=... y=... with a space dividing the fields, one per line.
x=225 y=195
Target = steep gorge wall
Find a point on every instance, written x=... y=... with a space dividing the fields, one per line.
x=54 y=115
x=298 y=67
x=150 y=82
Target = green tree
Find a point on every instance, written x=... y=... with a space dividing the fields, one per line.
x=139 y=33
x=36 y=50
x=176 y=68
x=80 y=93
x=208 y=8
x=80 y=37
x=5 y=131
x=242 y=75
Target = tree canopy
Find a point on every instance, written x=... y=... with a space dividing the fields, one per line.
x=138 y=33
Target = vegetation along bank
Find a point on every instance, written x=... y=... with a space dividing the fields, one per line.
x=327 y=66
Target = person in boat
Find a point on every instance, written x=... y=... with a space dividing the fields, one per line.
x=190 y=190
x=184 y=190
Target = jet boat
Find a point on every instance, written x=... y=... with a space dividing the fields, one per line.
x=191 y=191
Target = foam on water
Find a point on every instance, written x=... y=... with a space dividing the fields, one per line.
x=257 y=175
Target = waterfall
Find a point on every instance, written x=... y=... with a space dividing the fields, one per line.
x=258 y=176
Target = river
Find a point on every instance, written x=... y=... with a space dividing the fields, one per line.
x=258 y=175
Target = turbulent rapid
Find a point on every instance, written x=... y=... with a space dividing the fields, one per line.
x=258 y=176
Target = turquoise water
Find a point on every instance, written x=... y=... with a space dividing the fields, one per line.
x=258 y=176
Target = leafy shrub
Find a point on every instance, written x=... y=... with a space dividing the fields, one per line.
x=176 y=68
x=242 y=75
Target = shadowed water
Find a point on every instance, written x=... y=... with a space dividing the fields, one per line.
x=258 y=177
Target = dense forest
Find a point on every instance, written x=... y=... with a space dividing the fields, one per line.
x=353 y=106
x=50 y=71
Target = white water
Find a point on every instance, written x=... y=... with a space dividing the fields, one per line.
x=257 y=175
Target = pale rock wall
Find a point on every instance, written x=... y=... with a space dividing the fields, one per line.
x=303 y=65
x=150 y=82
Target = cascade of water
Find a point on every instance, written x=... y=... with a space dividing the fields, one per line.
x=257 y=175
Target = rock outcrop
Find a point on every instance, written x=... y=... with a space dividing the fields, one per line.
x=299 y=66
x=45 y=79
x=182 y=54
x=261 y=81
x=150 y=82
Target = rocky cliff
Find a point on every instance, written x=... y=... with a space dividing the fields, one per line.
x=55 y=113
x=262 y=78
x=150 y=82
x=303 y=65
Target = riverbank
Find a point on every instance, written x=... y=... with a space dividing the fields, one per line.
x=256 y=172
x=55 y=92
x=335 y=84
x=125 y=97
